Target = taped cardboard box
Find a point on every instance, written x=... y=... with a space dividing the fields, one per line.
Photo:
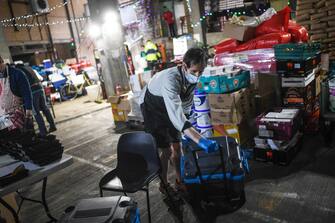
x=241 y=33
x=227 y=101
x=120 y=107
x=231 y=108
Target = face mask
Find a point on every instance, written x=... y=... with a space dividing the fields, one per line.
x=191 y=78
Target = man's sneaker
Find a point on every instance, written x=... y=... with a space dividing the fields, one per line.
x=168 y=188
x=180 y=187
x=52 y=129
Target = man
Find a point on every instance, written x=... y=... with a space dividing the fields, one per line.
x=39 y=103
x=165 y=101
x=152 y=54
x=168 y=17
x=13 y=88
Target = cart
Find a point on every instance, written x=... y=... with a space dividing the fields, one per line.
x=327 y=117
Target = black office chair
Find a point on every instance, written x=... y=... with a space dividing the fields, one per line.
x=138 y=164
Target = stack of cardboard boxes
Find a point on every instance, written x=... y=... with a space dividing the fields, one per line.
x=300 y=80
x=120 y=107
x=230 y=114
x=278 y=137
x=230 y=101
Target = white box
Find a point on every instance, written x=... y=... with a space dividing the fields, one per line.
x=181 y=45
x=297 y=81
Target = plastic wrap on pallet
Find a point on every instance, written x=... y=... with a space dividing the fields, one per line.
x=256 y=61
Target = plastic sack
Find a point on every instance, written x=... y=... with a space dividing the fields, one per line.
x=255 y=21
x=265 y=41
x=260 y=60
x=227 y=45
x=298 y=32
x=277 y=23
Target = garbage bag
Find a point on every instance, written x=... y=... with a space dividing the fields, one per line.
x=298 y=32
x=227 y=45
x=265 y=41
x=277 y=23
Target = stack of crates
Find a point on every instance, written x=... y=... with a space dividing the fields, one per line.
x=299 y=67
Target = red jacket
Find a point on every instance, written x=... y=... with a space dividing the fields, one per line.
x=168 y=17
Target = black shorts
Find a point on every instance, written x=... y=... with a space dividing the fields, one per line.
x=165 y=136
x=158 y=124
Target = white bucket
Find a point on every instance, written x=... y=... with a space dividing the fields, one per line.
x=201 y=102
x=203 y=119
x=206 y=131
x=93 y=92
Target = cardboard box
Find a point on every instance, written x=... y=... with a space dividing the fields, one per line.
x=115 y=99
x=231 y=108
x=241 y=132
x=298 y=96
x=228 y=101
x=241 y=33
x=120 y=107
x=264 y=102
x=224 y=116
x=317 y=84
x=265 y=83
x=279 y=124
x=181 y=45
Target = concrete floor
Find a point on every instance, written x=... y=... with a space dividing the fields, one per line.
x=304 y=191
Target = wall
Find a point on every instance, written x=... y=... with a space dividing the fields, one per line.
x=60 y=33
x=4 y=51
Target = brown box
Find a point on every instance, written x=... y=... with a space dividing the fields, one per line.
x=124 y=105
x=115 y=99
x=242 y=33
x=225 y=116
x=265 y=83
x=265 y=102
x=227 y=101
x=231 y=108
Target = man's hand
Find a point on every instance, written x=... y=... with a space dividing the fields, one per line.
x=28 y=121
x=29 y=113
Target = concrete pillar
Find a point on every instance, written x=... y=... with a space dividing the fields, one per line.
x=110 y=44
x=4 y=50
x=195 y=14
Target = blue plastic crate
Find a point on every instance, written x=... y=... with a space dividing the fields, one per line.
x=296 y=51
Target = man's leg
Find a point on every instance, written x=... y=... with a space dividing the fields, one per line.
x=47 y=112
x=175 y=158
x=165 y=157
x=37 y=114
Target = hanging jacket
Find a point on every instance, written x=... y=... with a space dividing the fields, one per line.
x=151 y=52
x=168 y=17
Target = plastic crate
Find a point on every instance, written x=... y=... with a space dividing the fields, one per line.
x=292 y=51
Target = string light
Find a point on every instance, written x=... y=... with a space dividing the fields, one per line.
x=189 y=6
x=193 y=25
x=59 y=5
x=46 y=23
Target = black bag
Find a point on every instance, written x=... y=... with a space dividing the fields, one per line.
x=104 y=209
x=217 y=175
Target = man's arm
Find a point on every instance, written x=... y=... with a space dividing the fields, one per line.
x=25 y=91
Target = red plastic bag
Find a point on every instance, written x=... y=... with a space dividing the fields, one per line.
x=265 y=41
x=226 y=46
x=277 y=23
x=298 y=32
